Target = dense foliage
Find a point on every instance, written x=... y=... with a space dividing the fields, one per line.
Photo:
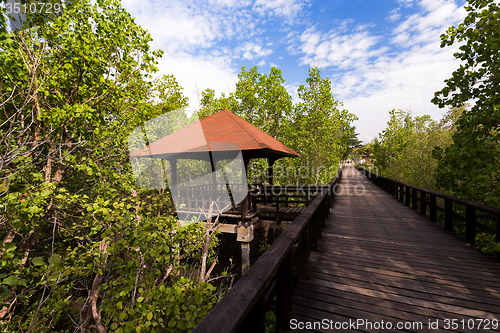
x=404 y=150
x=470 y=167
x=83 y=248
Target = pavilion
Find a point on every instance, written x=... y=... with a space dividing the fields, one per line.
x=223 y=135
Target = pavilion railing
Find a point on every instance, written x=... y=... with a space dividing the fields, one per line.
x=244 y=305
x=284 y=196
x=278 y=195
x=426 y=202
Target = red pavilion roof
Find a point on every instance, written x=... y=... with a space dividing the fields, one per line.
x=217 y=129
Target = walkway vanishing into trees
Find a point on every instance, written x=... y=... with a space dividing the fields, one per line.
x=379 y=260
x=369 y=264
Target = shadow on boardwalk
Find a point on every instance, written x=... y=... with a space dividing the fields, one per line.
x=380 y=261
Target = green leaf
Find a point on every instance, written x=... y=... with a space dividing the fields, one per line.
x=38 y=261
x=11 y=280
x=150 y=316
x=5 y=292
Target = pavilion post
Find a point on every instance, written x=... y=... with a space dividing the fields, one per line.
x=214 y=175
x=245 y=202
x=270 y=174
x=173 y=166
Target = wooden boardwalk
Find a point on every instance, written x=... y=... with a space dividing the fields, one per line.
x=379 y=260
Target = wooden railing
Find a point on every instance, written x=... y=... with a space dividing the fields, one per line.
x=425 y=201
x=244 y=305
x=284 y=196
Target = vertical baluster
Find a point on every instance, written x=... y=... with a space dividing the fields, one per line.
x=432 y=208
x=423 y=203
x=448 y=214
x=470 y=224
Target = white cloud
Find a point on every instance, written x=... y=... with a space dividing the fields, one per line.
x=423 y=27
x=188 y=25
x=199 y=73
x=336 y=49
x=372 y=79
x=406 y=82
x=407 y=3
x=408 y=79
x=394 y=15
x=288 y=9
x=292 y=90
x=191 y=33
x=251 y=50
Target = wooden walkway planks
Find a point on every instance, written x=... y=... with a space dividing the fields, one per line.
x=380 y=260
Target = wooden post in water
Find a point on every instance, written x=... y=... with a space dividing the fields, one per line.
x=245 y=235
x=245 y=257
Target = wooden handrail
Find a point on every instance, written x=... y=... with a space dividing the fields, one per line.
x=243 y=306
x=402 y=191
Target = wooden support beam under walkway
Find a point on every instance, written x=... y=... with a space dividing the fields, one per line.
x=381 y=261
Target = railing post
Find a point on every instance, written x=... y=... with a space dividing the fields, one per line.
x=319 y=222
x=423 y=203
x=413 y=198
x=432 y=208
x=407 y=195
x=313 y=232
x=303 y=254
x=326 y=209
x=448 y=214
x=284 y=294
x=470 y=224
x=498 y=235
x=278 y=217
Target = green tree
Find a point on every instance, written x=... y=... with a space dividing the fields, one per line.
x=210 y=104
x=470 y=166
x=316 y=128
x=263 y=100
x=390 y=143
x=260 y=99
x=82 y=246
x=319 y=131
x=404 y=151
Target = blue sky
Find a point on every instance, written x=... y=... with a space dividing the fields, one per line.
x=379 y=55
